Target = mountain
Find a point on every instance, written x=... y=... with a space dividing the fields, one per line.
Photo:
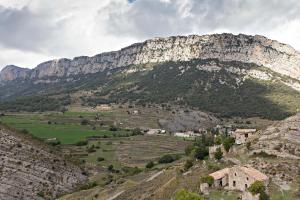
x=31 y=170
x=231 y=75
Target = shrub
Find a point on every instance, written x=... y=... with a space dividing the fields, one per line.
x=257 y=187
x=208 y=179
x=136 y=131
x=81 y=143
x=84 y=122
x=150 y=164
x=201 y=152
x=166 y=159
x=88 y=186
x=218 y=154
x=188 y=149
x=228 y=143
x=188 y=164
x=113 y=128
x=24 y=131
x=186 y=195
x=99 y=159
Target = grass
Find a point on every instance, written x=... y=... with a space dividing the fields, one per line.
x=223 y=194
x=67 y=130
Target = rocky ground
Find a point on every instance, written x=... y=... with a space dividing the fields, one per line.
x=31 y=170
x=281 y=139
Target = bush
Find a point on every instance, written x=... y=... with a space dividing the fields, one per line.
x=228 y=143
x=81 y=143
x=186 y=195
x=188 y=164
x=84 y=122
x=99 y=159
x=149 y=165
x=113 y=128
x=257 y=187
x=208 y=179
x=218 y=154
x=24 y=131
x=201 y=152
x=188 y=149
x=167 y=159
x=88 y=186
x=136 y=131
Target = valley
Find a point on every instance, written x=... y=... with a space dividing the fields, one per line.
x=155 y=120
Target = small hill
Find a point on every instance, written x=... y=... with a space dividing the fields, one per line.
x=31 y=170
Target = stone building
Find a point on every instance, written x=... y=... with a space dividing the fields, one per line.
x=242 y=135
x=238 y=177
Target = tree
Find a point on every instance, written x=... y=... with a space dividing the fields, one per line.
x=113 y=128
x=228 y=143
x=99 y=159
x=218 y=140
x=208 y=179
x=84 y=122
x=188 y=164
x=248 y=145
x=201 y=152
x=166 y=159
x=149 y=165
x=188 y=149
x=186 y=195
x=218 y=154
x=136 y=131
x=258 y=187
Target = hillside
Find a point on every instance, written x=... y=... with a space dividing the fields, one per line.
x=30 y=169
x=281 y=139
x=229 y=75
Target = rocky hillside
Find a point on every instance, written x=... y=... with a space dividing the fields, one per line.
x=278 y=57
x=28 y=169
x=281 y=139
x=230 y=75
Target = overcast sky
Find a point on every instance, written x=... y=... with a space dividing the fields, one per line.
x=33 y=31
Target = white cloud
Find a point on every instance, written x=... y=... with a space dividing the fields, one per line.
x=32 y=31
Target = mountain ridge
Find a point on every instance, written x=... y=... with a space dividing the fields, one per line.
x=225 y=47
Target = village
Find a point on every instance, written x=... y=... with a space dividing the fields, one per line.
x=243 y=178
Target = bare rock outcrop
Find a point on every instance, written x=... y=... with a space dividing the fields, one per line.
x=29 y=171
x=257 y=49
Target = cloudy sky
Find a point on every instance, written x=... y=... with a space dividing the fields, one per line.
x=33 y=31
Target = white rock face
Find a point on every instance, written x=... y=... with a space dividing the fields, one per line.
x=278 y=57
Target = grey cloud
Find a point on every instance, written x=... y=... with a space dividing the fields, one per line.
x=148 y=18
x=22 y=29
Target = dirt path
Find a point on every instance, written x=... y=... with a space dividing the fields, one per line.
x=116 y=195
x=155 y=175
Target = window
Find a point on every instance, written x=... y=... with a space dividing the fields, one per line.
x=246 y=186
x=247 y=179
x=234 y=183
x=235 y=174
x=246 y=135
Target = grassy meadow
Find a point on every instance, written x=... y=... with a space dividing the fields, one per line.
x=67 y=128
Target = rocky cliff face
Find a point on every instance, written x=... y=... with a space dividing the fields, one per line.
x=278 y=57
x=11 y=72
x=28 y=170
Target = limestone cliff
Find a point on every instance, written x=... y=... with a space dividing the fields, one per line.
x=12 y=72
x=260 y=50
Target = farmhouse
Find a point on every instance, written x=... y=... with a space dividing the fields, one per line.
x=187 y=134
x=242 y=135
x=238 y=177
x=155 y=131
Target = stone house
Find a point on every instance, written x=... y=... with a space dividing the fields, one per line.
x=238 y=177
x=242 y=135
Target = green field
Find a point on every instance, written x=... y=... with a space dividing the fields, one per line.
x=66 y=128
